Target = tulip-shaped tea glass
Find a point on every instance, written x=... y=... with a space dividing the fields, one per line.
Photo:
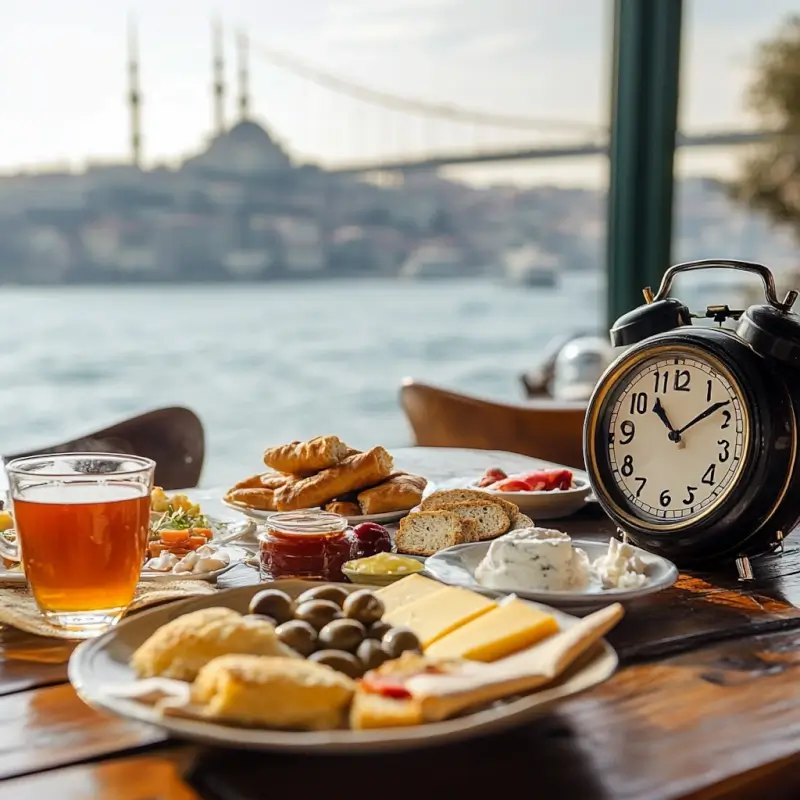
x=82 y=522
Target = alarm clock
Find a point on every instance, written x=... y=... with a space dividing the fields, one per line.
x=691 y=435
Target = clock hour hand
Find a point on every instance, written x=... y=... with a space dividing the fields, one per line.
x=661 y=413
x=702 y=415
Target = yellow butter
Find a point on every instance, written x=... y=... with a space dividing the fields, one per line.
x=439 y=613
x=406 y=591
x=502 y=631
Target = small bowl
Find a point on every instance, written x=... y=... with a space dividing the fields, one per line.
x=382 y=580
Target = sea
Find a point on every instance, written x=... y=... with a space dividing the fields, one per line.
x=267 y=363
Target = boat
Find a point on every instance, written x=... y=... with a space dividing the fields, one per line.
x=530 y=266
x=432 y=262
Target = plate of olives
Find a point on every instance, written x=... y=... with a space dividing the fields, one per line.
x=335 y=625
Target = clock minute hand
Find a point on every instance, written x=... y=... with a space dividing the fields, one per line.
x=702 y=415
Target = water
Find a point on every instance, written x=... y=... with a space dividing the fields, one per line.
x=268 y=363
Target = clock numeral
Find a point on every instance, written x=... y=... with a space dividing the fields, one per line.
x=709 y=387
x=638 y=403
x=682 y=380
x=628 y=430
x=690 y=490
x=627 y=466
x=727 y=415
x=708 y=475
x=664 y=498
x=642 y=482
x=725 y=454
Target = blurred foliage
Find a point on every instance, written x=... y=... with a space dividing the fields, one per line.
x=770 y=178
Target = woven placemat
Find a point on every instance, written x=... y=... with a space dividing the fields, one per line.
x=18 y=608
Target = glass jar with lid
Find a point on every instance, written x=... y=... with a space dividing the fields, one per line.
x=309 y=545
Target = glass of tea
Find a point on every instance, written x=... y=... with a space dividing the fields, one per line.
x=82 y=522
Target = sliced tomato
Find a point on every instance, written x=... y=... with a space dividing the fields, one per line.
x=545 y=480
x=511 y=485
x=173 y=537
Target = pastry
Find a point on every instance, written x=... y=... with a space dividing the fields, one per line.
x=253 y=482
x=343 y=507
x=398 y=492
x=259 y=499
x=183 y=646
x=306 y=458
x=355 y=472
x=283 y=693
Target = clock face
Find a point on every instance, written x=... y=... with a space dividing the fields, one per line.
x=676 y=430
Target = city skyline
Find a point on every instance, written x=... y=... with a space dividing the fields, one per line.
x=66 y=103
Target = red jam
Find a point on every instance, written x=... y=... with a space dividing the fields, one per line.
x=309 y=545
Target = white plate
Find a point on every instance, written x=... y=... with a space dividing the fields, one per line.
x=456 y=567
x=226 y=527
x=555 y=504
x=263 y=516
x=99 y=664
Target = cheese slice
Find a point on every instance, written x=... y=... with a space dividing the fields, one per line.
x=439 y=613
x=407 y=590
x=510 y=627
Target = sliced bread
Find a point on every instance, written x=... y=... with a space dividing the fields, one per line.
x=426 y=532
x=444 y=497
x=522 y=521
x=469 y=530
x=490 y=519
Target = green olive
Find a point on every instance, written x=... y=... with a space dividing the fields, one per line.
x=317 y=613
x=273 y=603
x=342 y=634
x=371 y=654
x=298 y=635
x=363 y=605
x=339 y=660
x=400 y=640
x=336 y=594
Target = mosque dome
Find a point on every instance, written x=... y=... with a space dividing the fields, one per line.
x=247 y=147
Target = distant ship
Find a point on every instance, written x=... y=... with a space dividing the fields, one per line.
x=529 y=266
x=433 y=262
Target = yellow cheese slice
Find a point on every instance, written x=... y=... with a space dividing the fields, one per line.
x=506 y=629
x=434 y=616
x=407 y=590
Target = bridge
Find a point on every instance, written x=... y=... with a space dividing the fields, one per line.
x=399 y=119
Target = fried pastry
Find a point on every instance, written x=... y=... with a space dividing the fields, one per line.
x=259 y=499
x=306 y=458
x=184 y=645
x=253 y=482
x=399 y=492
x=278 y=693
x=355 y=472
x=344 y=507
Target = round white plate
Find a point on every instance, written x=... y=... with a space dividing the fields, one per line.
x=555 y=504
x=263 y=516
x=456 y=567
x=99 y=665
x=227 y=527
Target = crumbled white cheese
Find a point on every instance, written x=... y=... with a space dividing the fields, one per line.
x=621 y=567
x=204 y=559
x=534 y=559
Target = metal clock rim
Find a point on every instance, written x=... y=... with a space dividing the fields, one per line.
x=597 y=407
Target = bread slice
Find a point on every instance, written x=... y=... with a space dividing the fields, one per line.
x=491 y=520
x=437 y=500
x=522 y=521
x=469 y=530
x=426 y=532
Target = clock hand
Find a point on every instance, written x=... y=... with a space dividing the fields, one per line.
x=702 y=415
x=661 y=413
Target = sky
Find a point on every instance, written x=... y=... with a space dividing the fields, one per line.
x=63 y=91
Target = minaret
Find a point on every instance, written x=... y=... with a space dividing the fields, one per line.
x=244 y=77
x=219 y=78
x=134 y=96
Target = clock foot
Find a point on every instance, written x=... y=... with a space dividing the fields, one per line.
x=744 y=568
x=779 y=537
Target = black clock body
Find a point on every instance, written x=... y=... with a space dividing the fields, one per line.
x=764 y=503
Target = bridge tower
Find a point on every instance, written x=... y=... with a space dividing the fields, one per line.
x=244 y=76
x=134 y=95
x=218 y=68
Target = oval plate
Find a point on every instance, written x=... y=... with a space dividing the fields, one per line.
x=555 y=504
x=103 y=662
x=263 y=516
x=456 y=567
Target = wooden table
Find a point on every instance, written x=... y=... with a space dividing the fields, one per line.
x=706 y=705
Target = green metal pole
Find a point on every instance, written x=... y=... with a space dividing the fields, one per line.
x=646 y=71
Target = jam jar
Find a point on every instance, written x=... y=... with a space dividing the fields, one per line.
x=309 y=545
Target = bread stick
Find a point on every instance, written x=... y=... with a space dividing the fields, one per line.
x=306 y=458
